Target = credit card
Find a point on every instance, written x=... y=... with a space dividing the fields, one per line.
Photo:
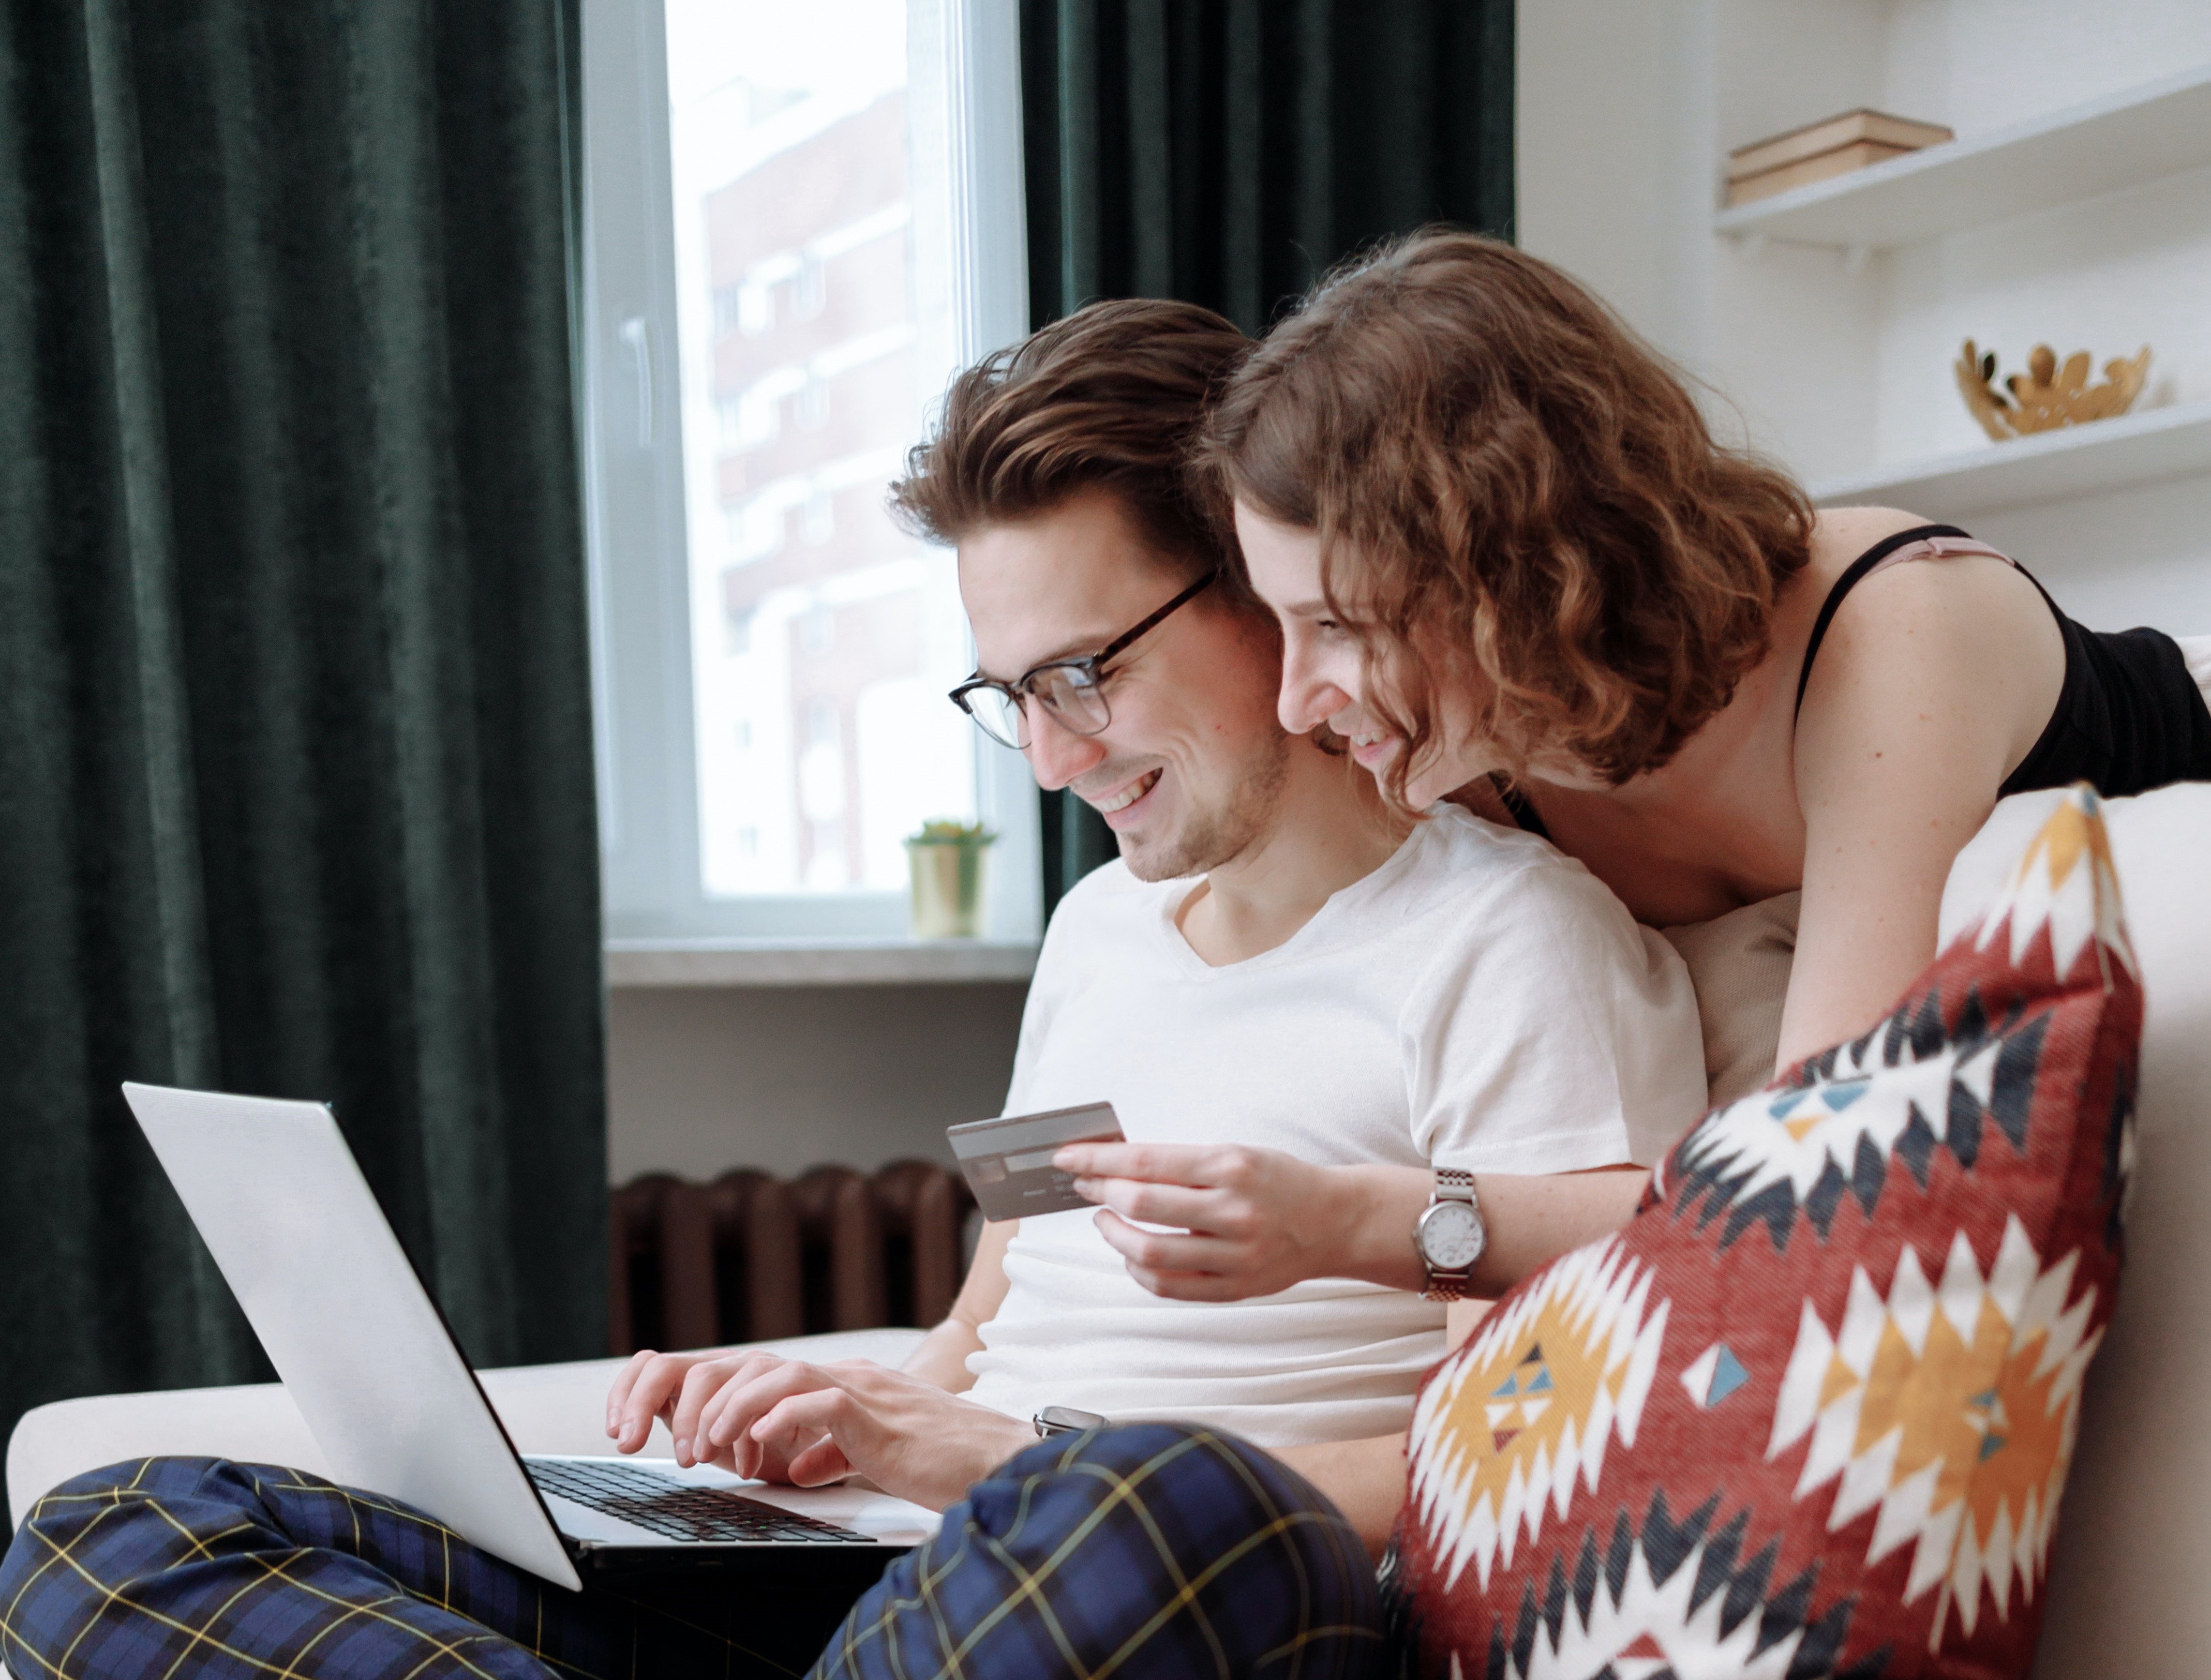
x=1008 y=1162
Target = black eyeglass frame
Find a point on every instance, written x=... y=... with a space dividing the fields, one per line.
x=1092 y=665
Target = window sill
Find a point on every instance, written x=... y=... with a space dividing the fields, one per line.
x=858 y=961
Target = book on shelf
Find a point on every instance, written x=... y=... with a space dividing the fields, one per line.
x=1843 y=161
x=1821 y=151
x=1830 y=132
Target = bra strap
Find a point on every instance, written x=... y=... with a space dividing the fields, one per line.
x=1849 y=580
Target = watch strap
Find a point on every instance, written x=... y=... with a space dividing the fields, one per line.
x=1451 y=1184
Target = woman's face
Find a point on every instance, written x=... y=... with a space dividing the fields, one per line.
x=1329 y=677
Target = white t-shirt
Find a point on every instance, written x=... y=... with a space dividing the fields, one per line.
x=1479 y=1001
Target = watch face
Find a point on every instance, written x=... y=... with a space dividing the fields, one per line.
x=1451 y=1236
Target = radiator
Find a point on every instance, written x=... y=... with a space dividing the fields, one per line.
x=750 y=1256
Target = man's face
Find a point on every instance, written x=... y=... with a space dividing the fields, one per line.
x=1189 y=772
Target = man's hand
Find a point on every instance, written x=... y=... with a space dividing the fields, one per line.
x=675 y=1387
x=1254 y=1221
x=787 y=1420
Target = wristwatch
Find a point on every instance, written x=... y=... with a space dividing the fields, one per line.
x=1450 y=1236
x=1067 y=1420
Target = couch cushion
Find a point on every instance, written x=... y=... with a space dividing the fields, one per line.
x=546 y=1409
x=2126 y=1589
x=1739 y=964
x=1811 y=1412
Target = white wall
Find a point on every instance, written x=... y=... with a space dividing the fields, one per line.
x=1625 y=113
x=1612 y=138
x=704 y=1078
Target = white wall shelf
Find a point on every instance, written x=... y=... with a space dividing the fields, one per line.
x=671 y=963
x=2050 y=466
x=2105 y=145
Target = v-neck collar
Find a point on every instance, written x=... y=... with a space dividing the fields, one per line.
x=1321 y=929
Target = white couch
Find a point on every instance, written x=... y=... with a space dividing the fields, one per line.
x=2128 y=1597
x=2128 y=1593
x=546 y=1409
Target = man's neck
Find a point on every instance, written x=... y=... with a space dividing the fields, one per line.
x=1330 y=828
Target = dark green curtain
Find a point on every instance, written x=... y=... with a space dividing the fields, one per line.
x=296 y=790
x=1230 y=151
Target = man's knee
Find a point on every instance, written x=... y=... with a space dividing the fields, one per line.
x=124 y=1521
x=134 y=1520
x=1200 y=1491
x=1193 y=1547
x=118 y=1492
x=206 y=1492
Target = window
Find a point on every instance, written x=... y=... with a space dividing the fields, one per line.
x=803 y=220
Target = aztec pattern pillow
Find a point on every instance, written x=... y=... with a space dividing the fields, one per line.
x=1810 y=1412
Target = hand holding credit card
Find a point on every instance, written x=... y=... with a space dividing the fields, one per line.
x=1007 y=1162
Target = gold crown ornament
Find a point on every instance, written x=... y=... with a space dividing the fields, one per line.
x=2046 y=396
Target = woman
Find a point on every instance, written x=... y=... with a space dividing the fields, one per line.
x=1502 y=543
x=1513 y=568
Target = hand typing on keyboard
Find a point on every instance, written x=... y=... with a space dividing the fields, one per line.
x=786 y=1420
x=674 y=1388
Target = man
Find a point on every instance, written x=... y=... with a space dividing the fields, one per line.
x=1277 y=970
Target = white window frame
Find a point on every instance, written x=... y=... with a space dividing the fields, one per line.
x=968 y=51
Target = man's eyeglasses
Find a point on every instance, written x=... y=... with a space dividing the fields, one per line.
x=1072 y=690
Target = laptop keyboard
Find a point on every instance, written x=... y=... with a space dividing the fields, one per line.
x=677 y=1510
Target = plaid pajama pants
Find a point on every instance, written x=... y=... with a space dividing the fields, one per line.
x=1144 y=1550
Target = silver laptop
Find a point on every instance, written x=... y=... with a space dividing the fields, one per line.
x=375 y=1371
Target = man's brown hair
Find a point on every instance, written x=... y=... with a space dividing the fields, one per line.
x=1506 y=481
x=1109 y=398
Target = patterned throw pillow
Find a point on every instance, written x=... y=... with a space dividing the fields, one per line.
x=1810 y=1412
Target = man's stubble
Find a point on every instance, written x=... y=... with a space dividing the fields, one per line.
x=1219 y=833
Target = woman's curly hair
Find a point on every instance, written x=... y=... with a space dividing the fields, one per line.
x=1509 y=485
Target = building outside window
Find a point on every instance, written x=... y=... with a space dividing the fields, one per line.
x=826 y=226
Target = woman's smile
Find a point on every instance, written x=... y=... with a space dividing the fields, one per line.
x=1371 y=750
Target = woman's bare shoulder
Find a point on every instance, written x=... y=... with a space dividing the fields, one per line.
x=1954 y=665
x=1840 y=534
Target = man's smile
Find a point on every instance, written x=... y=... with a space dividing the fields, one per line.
x=1125 y=795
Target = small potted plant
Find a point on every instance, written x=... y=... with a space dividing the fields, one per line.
x=946 y=859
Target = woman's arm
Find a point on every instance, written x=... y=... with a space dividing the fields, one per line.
x=942 y=1358
x=1933 y=683
x=1255 y=1221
